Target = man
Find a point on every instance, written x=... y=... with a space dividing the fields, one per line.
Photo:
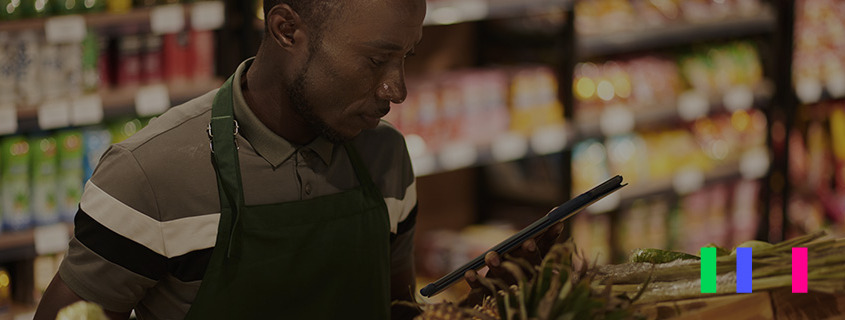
x=280 y=195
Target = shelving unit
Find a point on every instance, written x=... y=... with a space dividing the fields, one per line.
x=592 y=46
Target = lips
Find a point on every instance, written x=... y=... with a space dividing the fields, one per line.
x=372 y=119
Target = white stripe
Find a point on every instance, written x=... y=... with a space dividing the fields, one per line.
x=189 y=234
x=122 y=219
x=170 y=238
x=398 y=209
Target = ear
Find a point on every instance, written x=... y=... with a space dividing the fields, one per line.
x=284 y=26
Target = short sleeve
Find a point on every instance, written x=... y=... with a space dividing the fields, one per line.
x=117 y=251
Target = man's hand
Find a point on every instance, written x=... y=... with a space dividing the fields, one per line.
x=532 y=250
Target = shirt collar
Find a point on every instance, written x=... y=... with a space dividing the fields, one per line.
x=270 y=146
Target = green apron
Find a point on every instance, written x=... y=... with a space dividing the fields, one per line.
x=321 y=258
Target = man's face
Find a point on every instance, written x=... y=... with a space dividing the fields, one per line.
x=357 y=68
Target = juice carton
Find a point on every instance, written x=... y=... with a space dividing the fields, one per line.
x=14 y=179
x=71 y=172
x=43 y=175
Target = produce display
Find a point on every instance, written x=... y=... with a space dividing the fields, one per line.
x=558 y=289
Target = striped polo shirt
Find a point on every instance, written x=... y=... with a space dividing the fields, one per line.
x=148 y=217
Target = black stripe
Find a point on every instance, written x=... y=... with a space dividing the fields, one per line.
x=409 y=222
x=118 y=249
x=190 y=266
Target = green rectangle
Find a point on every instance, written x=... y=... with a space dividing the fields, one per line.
x=708 y=270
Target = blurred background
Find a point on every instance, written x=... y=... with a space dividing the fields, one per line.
x=724 y=116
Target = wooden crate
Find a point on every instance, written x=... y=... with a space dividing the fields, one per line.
x=779 y=304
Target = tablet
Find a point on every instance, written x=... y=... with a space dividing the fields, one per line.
x=563 y=212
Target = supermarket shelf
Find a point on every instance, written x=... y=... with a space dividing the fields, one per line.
x=20 y=245
x=121 y=102
x=137 y=20
x=445 y=12
x=821 y=95
x=506 y=147
x=724 y=172
x=590 y=46
x=595 y=123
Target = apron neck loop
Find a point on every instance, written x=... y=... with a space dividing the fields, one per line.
x=223 y=131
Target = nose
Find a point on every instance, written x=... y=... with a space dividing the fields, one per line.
x=393 y=88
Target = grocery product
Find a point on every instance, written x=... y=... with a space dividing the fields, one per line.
x=71 y=172
x=122 y=129
x=14 y=182
x=44 y=179
x=12 y=10
x=95 y=141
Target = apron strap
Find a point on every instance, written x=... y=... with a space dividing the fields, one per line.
x=364 y=177
x=223 y=133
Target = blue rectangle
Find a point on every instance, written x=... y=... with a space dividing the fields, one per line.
x=743 y=270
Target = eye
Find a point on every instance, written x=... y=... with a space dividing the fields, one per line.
x=410 y=54
x=377 y=62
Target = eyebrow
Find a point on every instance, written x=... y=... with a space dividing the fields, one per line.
x=390 y=46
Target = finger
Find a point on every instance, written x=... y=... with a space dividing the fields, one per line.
x=528 y=251
x=548 y=239
x=471 y=277
x=494 y=263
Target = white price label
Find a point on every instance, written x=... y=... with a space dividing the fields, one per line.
x=738 y=98
x=167 y=19
x=616 y=119
x=207 y=15
x=606 y=204
x=808 y=90
x=8 y=119
x=688 y=180
x=51 y=239
x=458 y=155
x=549 y=139
x=449 y=12
x=87 y=110
x=836 y=85
x=692 y=105
x=508 y=147
x=754 y=163
x=423 y=164
x=152 y=100
x=54 y=114
x=65 y=29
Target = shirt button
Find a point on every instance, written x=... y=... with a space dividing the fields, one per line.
x=308 y=189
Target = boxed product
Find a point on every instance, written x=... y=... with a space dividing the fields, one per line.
x=71 y=172
x=95 y=142
x=43 y=178
x=14 y=180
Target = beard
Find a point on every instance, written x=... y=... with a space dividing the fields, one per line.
x=305 y=109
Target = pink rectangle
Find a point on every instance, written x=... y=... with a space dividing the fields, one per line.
x=799 y=270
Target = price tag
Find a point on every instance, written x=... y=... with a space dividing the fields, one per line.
x=754 y=163
x=738 y=98
x=509 y=146
x=808 y=90
x=207 y=15
x=693 y=105
x=65 y=29
x=550 y=139
x=54 y=114
x=616 y=119
x=458 y=155
x=607 y=204
x=836 y=85
x=449 y=12
x=688 y=180
x=423 y=165
x=51 y=239
x=167 y=19
x=152 y=100
x=8 y=119
x=87 y=110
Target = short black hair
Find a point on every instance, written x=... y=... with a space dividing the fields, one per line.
x=316 y=13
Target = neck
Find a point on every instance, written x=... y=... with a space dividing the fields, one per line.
x=265 y=91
